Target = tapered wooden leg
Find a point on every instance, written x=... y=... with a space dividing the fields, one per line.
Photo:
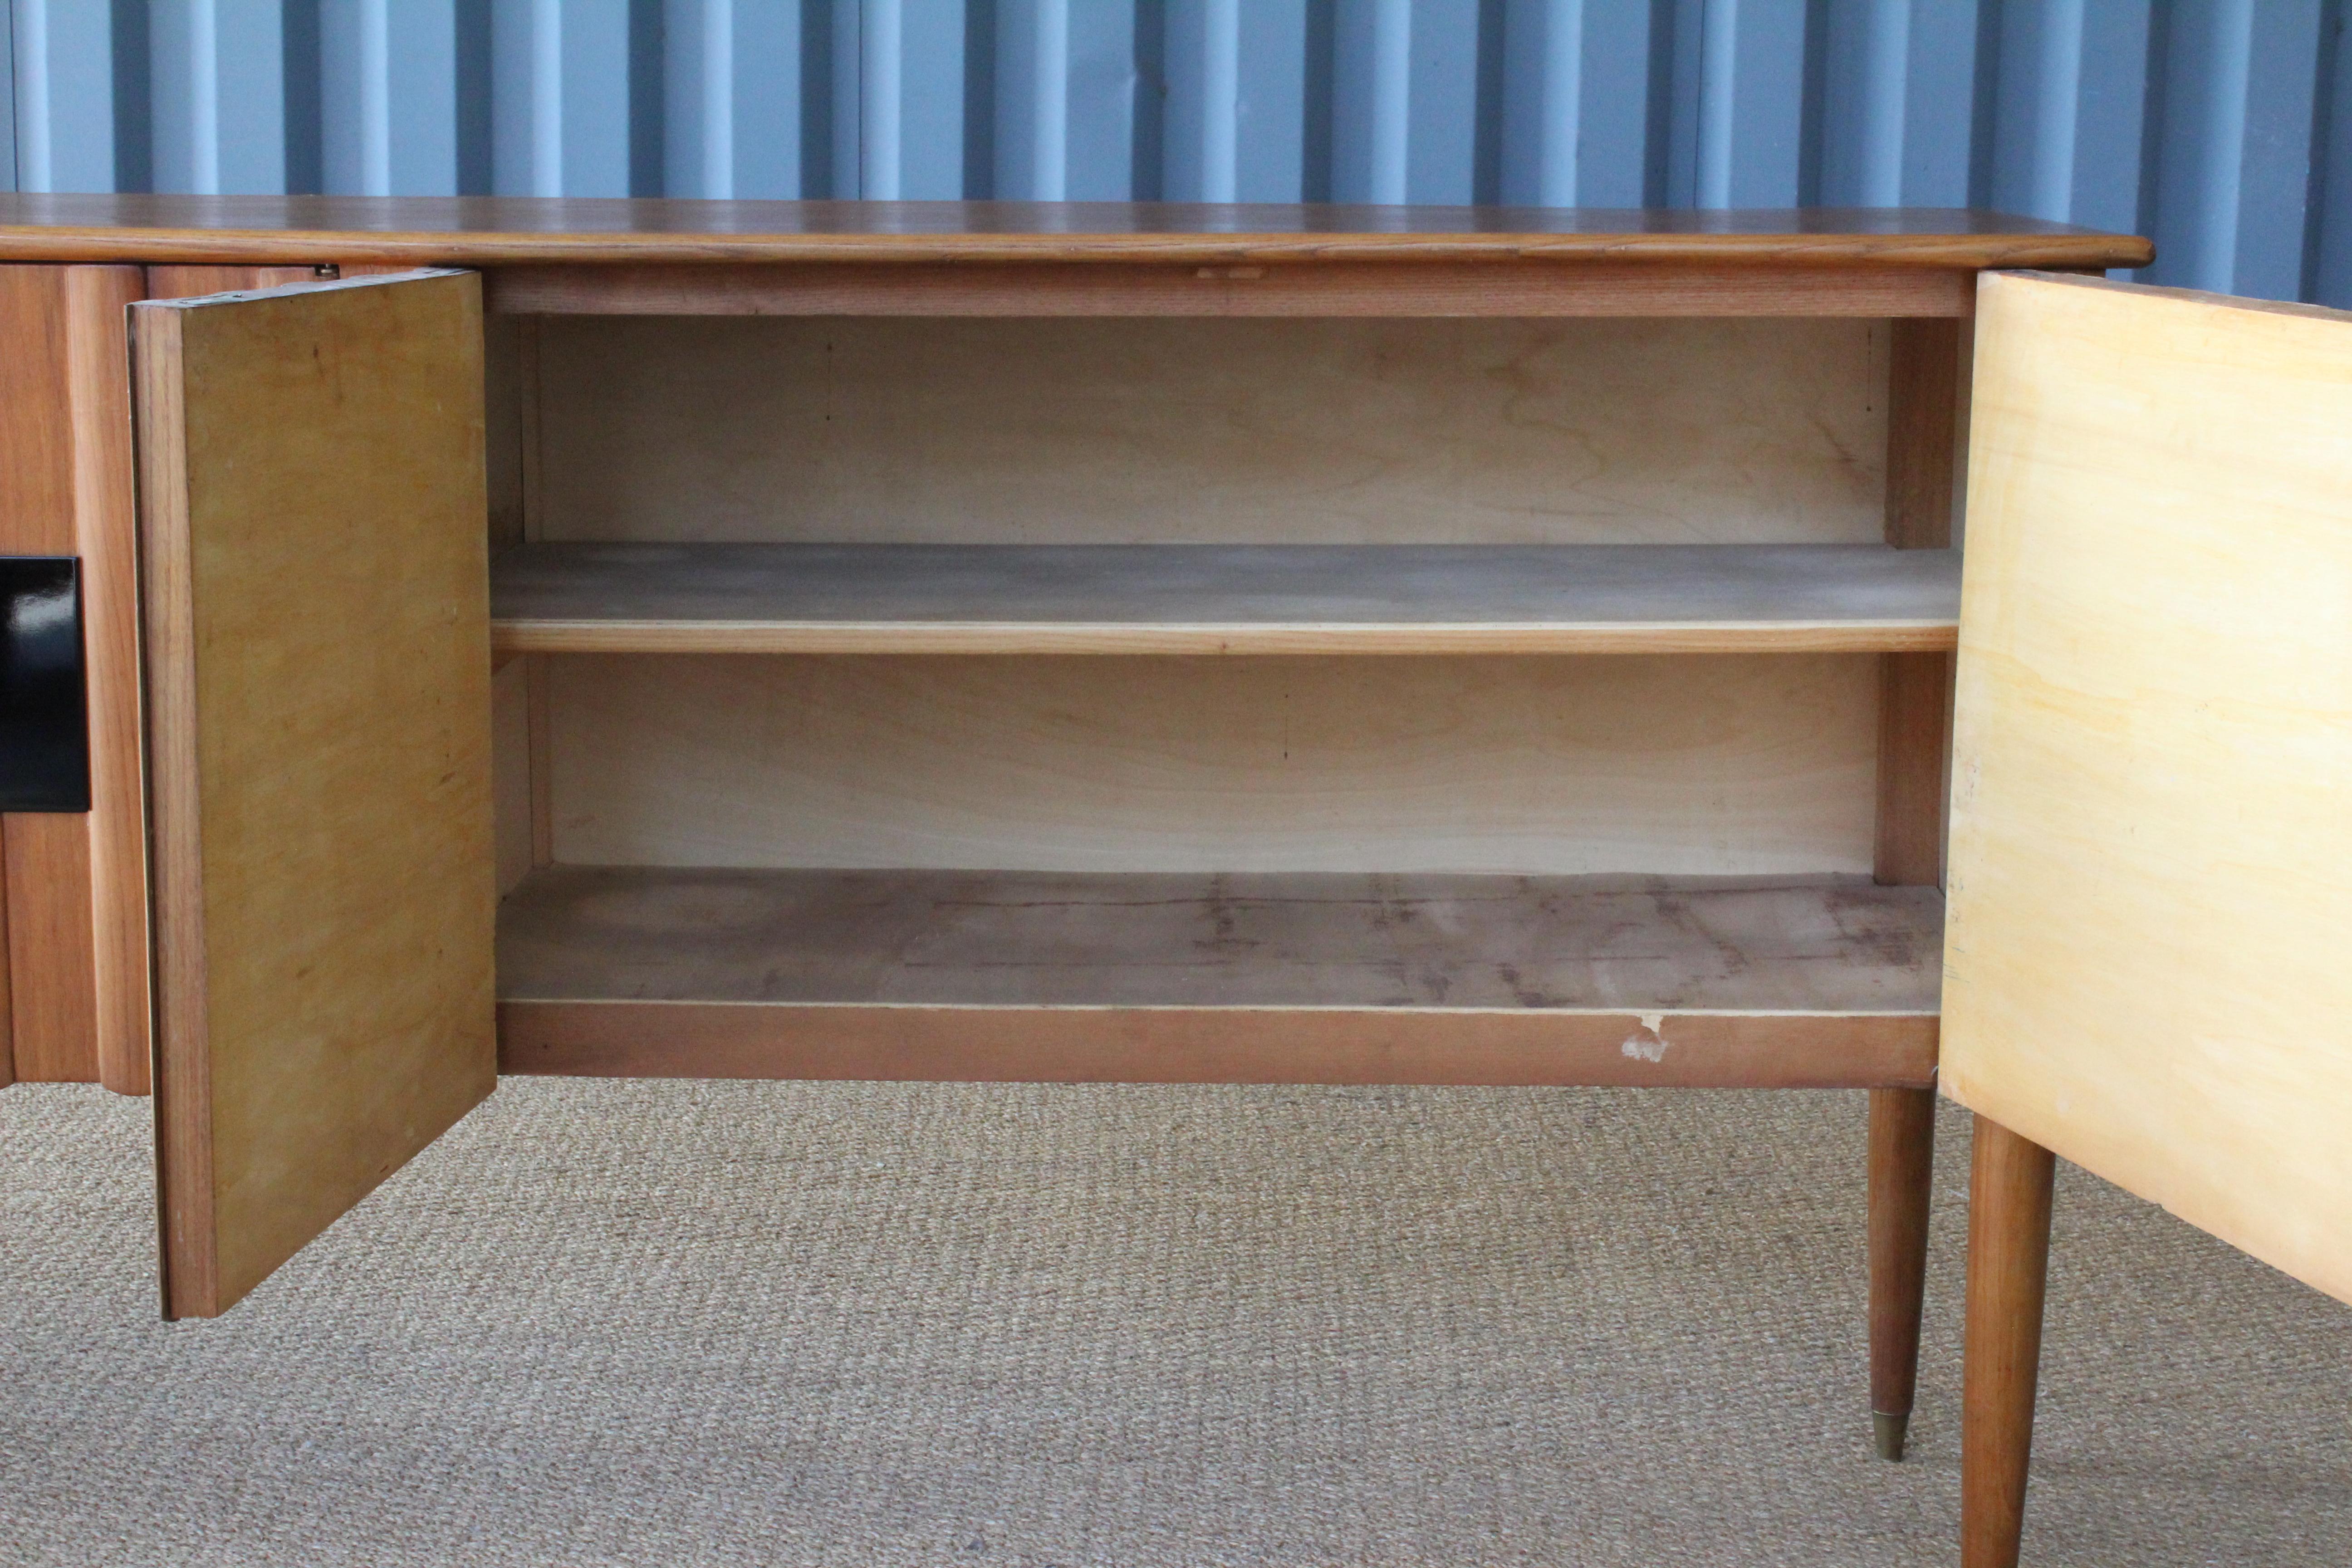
x=2008 y=1263
x=1902 y=1160
x=1925 y=388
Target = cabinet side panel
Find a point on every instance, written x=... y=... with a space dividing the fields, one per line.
x=1924 y=395
x=105 y=530
x=503 y=427
x=55 y=987
x=2151 y=868
x=7 y=1009
x=46 y=888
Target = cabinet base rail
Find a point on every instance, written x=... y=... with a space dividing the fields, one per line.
x=927 y=1043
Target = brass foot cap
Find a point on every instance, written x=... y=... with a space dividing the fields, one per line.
x=1889 y=1430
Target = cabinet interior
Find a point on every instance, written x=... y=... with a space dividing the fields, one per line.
x=1272 y=665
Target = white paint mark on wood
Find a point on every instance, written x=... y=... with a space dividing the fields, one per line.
x=1647 y=1042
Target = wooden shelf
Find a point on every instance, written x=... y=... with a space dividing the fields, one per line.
x=1271 y=977
x=1264 y=599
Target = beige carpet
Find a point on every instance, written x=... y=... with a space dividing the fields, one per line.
x=778 y=1324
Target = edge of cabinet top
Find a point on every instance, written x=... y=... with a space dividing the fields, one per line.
x=496 y=230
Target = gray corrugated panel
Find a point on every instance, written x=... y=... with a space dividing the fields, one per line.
x=2221 y=127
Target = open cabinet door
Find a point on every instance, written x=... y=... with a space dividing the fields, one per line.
x=2148 y=943
x=316 y=598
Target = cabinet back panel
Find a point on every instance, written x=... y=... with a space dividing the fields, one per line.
x=1127 y=431
x=1527 y=765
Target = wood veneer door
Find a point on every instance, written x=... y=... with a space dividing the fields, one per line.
x=313 y=529
x=2151 y=849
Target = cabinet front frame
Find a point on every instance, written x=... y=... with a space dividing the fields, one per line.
x=1926 y=309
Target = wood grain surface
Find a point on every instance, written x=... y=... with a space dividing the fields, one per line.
x=1927 y=399
x=1902 y=1169
x=917 y=1043
x=485 y=230
x=106 y=537
x=2151 y=861
x=1156 y=432
x=53 y=977
x=510 y=770
x=1052 y=433
x=313 y=529
x=1112 y=599
x=1033 y=289
x=1925 y=408
x=1816 y=945
x=2010 y=1182
x=1697 y=766
x=45 y=884
x=1915 y=726
x=1218 y=978
x=8 y=1007
x=1924 y=394
x=193 y=282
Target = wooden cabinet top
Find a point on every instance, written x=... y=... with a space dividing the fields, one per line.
x=493 y=230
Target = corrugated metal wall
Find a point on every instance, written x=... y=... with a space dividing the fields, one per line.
x=2221 y=127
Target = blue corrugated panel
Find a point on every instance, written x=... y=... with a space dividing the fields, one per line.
x=8 y=108
x=2223 y=128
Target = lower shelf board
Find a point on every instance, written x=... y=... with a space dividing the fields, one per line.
x=1235 y=978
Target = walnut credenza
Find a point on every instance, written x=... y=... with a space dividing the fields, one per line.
x=1178 y=645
